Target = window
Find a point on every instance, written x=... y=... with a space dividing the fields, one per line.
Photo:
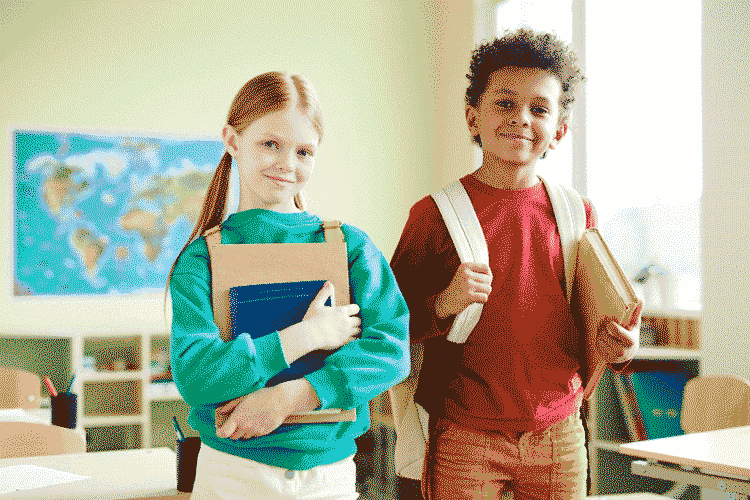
x=643 y=167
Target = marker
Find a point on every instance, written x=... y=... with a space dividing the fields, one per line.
x=50 y=387
x=180 y=435
x=70 y=385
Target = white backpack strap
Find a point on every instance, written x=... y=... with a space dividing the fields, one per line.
x=570 y=215
x=461 y=220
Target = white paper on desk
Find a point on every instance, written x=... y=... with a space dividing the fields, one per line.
x=28 y=477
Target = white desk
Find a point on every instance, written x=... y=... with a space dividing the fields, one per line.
x=112 y=475
x=33 y=415
x=721 y=459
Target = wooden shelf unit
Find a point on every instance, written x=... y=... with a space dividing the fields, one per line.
x=676 y=341
x=116 y=409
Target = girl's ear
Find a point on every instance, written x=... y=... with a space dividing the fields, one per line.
x=559 y=134
x=229 y=135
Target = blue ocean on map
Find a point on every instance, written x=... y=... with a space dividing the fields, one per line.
x=99 y=214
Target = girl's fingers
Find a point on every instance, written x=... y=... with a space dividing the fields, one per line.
x=322 y=296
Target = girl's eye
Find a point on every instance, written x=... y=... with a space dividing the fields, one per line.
x=539 y=110
x=270 y=144
x=305 y=153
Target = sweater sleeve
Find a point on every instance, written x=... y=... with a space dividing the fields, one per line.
x=424 y=263
x=206 y=369
x=364 y=368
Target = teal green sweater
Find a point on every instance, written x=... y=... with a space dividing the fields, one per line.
x=209 y=371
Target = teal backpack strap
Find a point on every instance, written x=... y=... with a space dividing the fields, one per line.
x=570 y=215
x=463 y=226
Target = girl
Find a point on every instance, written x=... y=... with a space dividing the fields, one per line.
x=272 y=133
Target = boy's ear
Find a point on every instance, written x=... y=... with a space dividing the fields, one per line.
x=471 y=119
x=229 y=137
x=559 y=134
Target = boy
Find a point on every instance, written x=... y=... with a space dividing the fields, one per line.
x=508 y=418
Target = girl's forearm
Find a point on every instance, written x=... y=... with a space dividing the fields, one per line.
x=299 y=395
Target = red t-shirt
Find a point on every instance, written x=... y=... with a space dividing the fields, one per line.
x=519 y=369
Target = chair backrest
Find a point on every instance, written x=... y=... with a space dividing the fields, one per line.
x=712 y=402
x=18 y=388
x=25 y=439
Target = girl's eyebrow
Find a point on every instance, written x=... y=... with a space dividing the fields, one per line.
x=271 y=135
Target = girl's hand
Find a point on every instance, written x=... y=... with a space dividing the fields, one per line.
x=256 y=414
x=617 y=344
x=471 y=283
x=323 y=327
x=264 y=410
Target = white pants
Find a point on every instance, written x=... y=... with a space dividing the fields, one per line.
x=220 y=475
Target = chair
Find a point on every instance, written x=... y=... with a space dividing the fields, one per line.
x=25 y=439
x=18 y=388
x=712 y=402
x=709 y=402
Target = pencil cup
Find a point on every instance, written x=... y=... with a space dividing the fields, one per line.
x=64 y=408
x=187 y=459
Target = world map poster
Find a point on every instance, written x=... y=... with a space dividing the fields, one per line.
x=104 y=214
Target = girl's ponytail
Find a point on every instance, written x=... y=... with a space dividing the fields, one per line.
x=260 y=96
x=214 y=207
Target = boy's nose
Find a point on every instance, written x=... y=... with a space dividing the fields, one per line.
x=521 y=117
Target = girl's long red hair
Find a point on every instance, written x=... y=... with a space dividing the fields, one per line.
x=264 y=94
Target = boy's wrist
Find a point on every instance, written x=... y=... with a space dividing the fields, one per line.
x=440 y=305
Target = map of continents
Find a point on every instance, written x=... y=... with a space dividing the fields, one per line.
x=102 y=214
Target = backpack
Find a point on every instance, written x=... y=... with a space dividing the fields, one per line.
x=410 y=418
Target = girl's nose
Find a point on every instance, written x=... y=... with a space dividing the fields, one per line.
x=287 y=161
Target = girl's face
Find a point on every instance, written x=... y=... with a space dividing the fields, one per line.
x=274 y=157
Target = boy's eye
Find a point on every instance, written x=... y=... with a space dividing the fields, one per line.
x=539 y=110
x=504 y=103
x=270 y=144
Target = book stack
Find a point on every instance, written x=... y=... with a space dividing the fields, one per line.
x=262 y=309
x=601 y=293
x=651 y=402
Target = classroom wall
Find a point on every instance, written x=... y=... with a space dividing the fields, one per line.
x=725 y=221
x=389 y=75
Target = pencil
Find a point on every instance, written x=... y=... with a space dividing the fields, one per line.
x=180 y=435
x=50 y=387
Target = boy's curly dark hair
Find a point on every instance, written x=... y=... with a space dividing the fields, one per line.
x=525 y=48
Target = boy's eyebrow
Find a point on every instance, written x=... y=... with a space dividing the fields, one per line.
x=514 y=93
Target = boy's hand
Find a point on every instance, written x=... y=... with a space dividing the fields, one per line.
x=617 y=344
x=471 y=283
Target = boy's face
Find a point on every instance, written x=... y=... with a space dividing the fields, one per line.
x=518 y=117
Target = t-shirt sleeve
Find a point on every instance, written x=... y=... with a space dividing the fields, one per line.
x=206 y=369
x=424 y=263
x=364 y=368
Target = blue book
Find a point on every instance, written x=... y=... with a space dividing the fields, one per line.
x=263 y=309
x=659 y=394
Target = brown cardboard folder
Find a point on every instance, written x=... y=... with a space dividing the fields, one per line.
x=600 y=291
x=247 y=264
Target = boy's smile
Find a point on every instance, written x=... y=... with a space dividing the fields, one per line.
x=518 y=117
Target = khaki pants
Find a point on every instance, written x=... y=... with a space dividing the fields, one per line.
x=221 y=475
x=549 y=464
